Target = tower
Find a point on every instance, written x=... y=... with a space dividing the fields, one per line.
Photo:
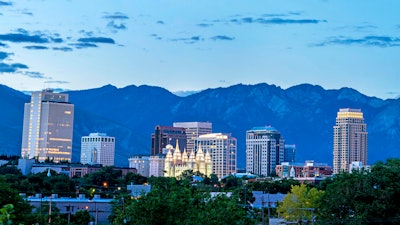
x=164 y=135
x=264 y=150
x=222 y=149
x=350 y=139
x=48 y=126
x=98 y=148
x=193 y=131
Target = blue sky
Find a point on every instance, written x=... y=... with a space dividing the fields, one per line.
x=194 y=45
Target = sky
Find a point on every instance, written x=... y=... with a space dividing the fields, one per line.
x=185 y=45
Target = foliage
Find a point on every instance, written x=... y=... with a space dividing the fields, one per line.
x=364 y=197
x=177 y=202
x=134 y=178
x=275 y=186
x=21 y=209
x=300 y=203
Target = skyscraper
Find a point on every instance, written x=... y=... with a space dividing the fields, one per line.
x=264 y=150
x=164 y=135
x=222 y=148
x=98 y=148
x=350 y=139
x=193 y=131
x=48 y=126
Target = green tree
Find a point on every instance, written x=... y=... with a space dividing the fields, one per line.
x=363 y=197
x=300 y=203
x=22 y=211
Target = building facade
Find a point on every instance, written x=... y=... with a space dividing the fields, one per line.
x=141 y=163
x=264 y=150
x=350 y=139
x=290 y=153
x=176 y=162
x=98 y=148
x=193 y=131
x=157 y=164
x=223 y=151
x=307 y=169
x=164 y=135
x=48 y=126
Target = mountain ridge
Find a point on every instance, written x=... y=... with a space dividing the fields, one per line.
x=304 y=114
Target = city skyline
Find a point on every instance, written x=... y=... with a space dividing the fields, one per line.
x=191 y=46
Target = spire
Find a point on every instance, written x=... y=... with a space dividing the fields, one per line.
x=185 y=156
x=177 y=157
x=207 y=157
x=200 y=154
x=168 y=158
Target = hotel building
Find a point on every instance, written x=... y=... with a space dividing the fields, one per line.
x=47 y=127
x=350 y=139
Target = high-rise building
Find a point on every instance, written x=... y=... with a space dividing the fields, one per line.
x=48 y=126
x=290 y=153
x=98 y=148
x=164 y=135
x=157 y=165
x=141 y=163
x=193 y=131
x=264 y=150
x=350 y=139
x=222 y=148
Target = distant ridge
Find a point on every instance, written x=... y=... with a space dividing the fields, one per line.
x=304 y=114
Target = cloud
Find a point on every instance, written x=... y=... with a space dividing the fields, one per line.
x=5 y=3
x=3 y=45
x=36 y=47
x=21 y=37
x=377 y=41
x=97 y=40
x=116 y=15
x=160 y=22
x=64 y=49
x=114 y=27
x=84 y=45
x=190 y=40
x=205 y=24
x=12 y=68
x=222 y=38
x=278 y=21
x=56 y=82
x=4 y=55
x=37 y=75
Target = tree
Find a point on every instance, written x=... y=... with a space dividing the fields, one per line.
x=21 y=210
x=300 y=203
x=363 y=197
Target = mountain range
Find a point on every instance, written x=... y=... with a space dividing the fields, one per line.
x=304 y=114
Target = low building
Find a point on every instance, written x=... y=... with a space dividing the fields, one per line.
x=99 y=208
x=141 y=163
x=303 y=170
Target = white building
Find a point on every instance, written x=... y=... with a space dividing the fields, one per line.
x=48 y=126
x=157 y=164
x=264 y=150
x=98 y=148
x=193 y=131
x=141 y=163
x=222 y=148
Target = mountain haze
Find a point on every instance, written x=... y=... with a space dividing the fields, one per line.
x=304 y=114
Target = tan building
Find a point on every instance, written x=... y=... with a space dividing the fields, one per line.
x=47 y=128
x=177 y=162
x=350 y=139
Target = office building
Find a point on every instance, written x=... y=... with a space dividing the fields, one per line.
x=222 y=148
x=193 y=131
x=350 y=139
x=290 y=153
x=98 y=148
x=164 y=135
x=141 y=163
x=307 y=169
x=264 y=150
x=157 y=164
x=48 y=126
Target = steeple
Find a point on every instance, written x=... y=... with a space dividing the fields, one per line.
x=177 y=157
